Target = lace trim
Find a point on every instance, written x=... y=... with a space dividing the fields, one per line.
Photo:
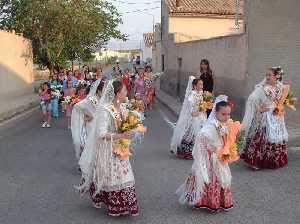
x=118 y=187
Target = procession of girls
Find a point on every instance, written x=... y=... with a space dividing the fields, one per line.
x=204 y=132
x=213 y=140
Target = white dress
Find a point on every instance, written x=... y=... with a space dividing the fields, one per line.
x=79 y=127
x=193 y=124
x=266 y=133
x=208 y=185
x=109 y=179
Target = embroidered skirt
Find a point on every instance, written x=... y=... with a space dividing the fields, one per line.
x=121 y=202
x=185 y=149
x=259 y=153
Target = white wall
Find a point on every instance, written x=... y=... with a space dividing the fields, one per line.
x=202 y=28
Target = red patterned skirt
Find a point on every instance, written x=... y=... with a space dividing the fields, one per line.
x=185 y=149
x=259 y=153
x=215 y=197
x=122 y=202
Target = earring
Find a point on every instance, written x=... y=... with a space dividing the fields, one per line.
x=118 y=101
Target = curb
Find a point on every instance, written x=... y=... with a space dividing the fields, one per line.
x=19 y=111
x=168 y=107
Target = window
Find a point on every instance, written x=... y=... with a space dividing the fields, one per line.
x=162 y=62
x=179 y=61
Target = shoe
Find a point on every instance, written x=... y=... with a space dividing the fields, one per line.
x=44 y=124
x=227 y=209
x=48 y=125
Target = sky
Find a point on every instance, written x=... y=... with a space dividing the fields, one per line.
x=135 y=22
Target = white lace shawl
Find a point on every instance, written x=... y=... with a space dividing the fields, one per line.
x=203 y=167
x=254 y=120
x=100 y=165
x=185 y=117
x=79 y=128
x=186 y=123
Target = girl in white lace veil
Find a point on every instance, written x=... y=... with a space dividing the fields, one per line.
x=190 y=120
x=104 y=174
x=82 y=115
x=265 y=129
x=208 y=174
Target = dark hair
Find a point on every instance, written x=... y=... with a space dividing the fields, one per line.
x=87 y=89
x=221 y=104
x=277 y=71
x=195 y=82
x=148 y=66
x=205 y=62
x=57 y=79
x=48 y=85
x=100 y=87
x=118 y=85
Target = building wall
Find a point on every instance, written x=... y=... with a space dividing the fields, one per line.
x=228 y=58
x=147 y=53
x=275 y=41
x=16 y=69
x=202 y=28
x=101 y=55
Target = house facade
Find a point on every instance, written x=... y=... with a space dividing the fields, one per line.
x=270 y=36
x=189 y=20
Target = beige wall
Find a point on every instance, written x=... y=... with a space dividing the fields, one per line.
x=239 y=62
x=274 y=39
x=202 y=28
x=16 y=69
x=228 y=58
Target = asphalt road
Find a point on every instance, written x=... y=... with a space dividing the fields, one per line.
x=38 y=172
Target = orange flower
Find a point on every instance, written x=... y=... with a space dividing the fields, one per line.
x=228 y=153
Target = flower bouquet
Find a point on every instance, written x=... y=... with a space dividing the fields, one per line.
x=229 y=152
x=69 y=101
x=290 y=101
x=287 y=100
x=131 y=123
x=207 y=102
x=138 y=105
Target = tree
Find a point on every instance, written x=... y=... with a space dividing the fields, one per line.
x=61 y=30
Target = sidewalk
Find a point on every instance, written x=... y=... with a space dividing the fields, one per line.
x=19 y=105
x=175 y=106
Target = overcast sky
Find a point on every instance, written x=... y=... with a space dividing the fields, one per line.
x=135 y=23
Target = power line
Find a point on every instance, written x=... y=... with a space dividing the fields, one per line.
x=136 y=3
x=140 y=10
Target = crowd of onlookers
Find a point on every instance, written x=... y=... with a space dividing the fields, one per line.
x=65 y=87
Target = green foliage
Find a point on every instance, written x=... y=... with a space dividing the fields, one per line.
x=62 y=30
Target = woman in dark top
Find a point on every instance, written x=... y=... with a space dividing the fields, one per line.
x=207 y=77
